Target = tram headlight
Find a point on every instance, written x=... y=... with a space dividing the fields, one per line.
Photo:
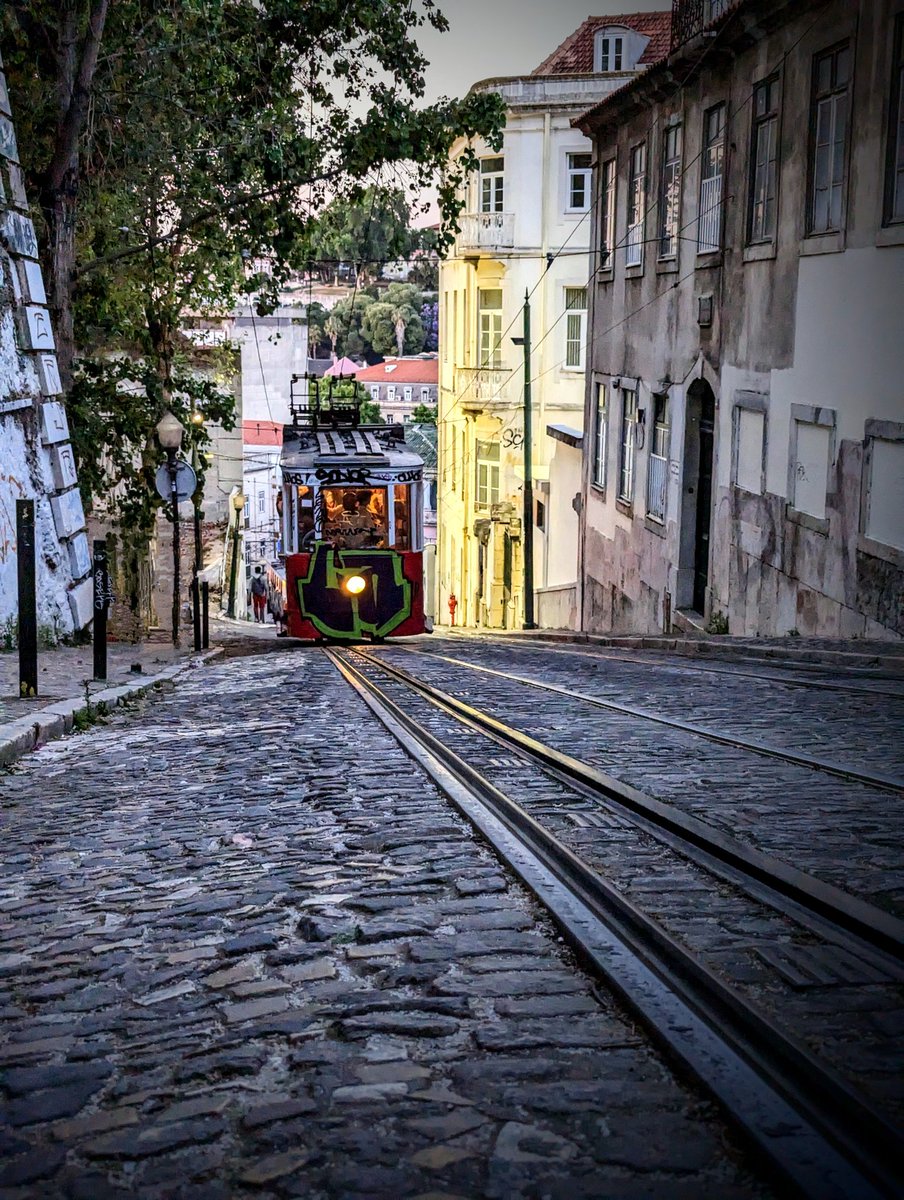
x=355 y=584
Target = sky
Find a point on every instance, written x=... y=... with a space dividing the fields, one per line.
x=489 y=38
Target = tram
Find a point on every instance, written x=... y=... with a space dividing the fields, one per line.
x=352 y=505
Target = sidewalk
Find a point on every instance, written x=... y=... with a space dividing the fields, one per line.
x=66 y=687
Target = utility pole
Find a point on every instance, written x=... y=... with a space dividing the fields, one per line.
x=527 y=523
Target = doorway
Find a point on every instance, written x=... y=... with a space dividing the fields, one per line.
x=697 y=497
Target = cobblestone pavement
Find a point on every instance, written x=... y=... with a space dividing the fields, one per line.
x=246 y=949
x=846 y=833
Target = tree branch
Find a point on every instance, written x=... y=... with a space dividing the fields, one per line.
x=73 y=123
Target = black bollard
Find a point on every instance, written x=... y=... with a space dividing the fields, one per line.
x=196 y=610
x=28 y=609
x=205 y=615
x=101 y=595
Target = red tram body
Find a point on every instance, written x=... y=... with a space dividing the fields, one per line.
x=352 y=516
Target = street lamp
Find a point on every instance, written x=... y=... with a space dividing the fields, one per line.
x=169 y=434
x=238 y=503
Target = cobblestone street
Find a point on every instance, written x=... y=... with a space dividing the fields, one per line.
x=248 y=949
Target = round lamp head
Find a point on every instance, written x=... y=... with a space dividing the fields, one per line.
x=169 y=431
x=197 y=418
x=355 y=584
x=238 y=501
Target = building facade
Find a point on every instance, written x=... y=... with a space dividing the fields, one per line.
x=744 y=454
x=525 y=230
x=399 y=385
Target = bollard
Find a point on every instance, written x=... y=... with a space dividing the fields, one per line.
x=28 y=610
x=101 y=593
x=196 y=610
x=205 y=615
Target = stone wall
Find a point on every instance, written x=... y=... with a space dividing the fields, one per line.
x=36 y=459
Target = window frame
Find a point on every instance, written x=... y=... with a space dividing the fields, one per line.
x=571 y=174
x=770 y=119
x=893 y=189
x=491 y=199
x=816 y=100
x=660 y=406
x=669 y=228
x=572 y=312
x=717 y=146
x=627 y=447
x=637 y=200
x=492 y=361
x=608 y=197
x=489 y=465
x=600 y=437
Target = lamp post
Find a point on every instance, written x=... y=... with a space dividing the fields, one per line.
x=527 y=514
x=170 y=431
x=238 y=503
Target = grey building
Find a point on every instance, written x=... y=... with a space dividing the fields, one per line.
x=744 y=454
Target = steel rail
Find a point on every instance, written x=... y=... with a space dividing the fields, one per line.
x=819 y=1134
x=603 y=655
x=879 y=929
x=885 y=782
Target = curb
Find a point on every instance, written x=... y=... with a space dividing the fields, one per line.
x=29 y=732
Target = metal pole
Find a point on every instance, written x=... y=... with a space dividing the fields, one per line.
x=28 y=610
x=528 y=514
x=230 y=611
x=205 y=615
x=174 y=500
x=196 y=610
x=101 y=589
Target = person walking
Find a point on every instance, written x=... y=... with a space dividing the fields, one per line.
x=259 y=596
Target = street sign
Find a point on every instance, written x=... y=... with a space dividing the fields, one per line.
x=186 y=481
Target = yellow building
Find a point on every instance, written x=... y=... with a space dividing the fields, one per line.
x=525 y=228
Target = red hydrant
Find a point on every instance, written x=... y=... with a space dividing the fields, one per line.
x=453 y=604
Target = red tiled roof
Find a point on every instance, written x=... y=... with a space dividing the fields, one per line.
x=575 y=55
x=261 y=433
x=401 y=370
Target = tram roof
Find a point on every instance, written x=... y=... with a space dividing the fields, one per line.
x=369 y=445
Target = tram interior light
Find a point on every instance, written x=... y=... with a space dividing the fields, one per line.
x=355 y=584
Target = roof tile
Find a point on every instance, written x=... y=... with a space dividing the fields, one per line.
x=575 y=55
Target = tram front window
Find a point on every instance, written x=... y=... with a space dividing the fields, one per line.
x=402 y=494
x=355 y=518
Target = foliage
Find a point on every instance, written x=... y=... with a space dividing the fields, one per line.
x=181 y=151
x=366 y=231
x=369 y=413
x=392 y=324
x=718 y=623
x=430 y=322
x=424 y=414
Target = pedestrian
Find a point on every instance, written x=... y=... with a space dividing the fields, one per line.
x=259 y=596
x=275 y=603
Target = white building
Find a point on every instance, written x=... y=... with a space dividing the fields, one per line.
x=525 y=229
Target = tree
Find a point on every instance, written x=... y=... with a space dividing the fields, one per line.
x=424 y=414
x=393 y=322
x=366 y=232
x=217 y=133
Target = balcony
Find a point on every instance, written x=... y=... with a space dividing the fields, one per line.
x=486 y=231
x=481 y=388
x=690 y=17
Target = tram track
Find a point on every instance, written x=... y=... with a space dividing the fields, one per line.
x=748 y=1061
x=869 y=778
x=654 y=661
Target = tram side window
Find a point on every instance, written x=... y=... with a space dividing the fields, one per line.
x=355 y=518
x=304 y=510
x=402 y=502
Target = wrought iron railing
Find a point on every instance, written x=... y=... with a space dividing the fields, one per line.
x=689 y=17
x=486 y=231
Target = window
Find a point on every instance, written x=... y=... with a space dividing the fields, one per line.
x=445 y=326
x=670 y=192
x=375 y=394
x=610 y=52
x=540 y=519
x=408 y=394
x=425 y=395
x=828 y=139
x=885 y=498
x=709 y=221
x=489 y=326
x=763 y=162
x=390 y=393
x=658 y=473
x=578 y=183
x=487 y=474
x=812 y=444
x=492 y=184
x=600 y=441
x=261 y=502
x=636 y=201
x=575 y=327
x=607 y=214
x=628 y=448
x=894 y=187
